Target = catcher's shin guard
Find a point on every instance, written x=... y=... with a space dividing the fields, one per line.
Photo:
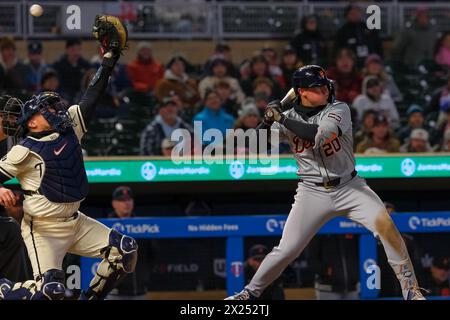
x=120 y=259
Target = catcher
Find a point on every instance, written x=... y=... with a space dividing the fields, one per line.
x=49 y=166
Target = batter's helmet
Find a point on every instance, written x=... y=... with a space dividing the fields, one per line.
x=311 y=76
x=52 y=108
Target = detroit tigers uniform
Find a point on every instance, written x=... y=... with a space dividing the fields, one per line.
x=50 y=229
x=329 y=187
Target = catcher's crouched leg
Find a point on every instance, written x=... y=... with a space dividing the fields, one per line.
x=120 y=258
x=50 y=287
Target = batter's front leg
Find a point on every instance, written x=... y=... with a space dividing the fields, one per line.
x=369 y=210
x=311 y=209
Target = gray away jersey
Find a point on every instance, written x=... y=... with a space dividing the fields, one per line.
x=334 y=159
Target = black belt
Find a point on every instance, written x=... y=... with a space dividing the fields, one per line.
x=30 y=193
x=333 y=183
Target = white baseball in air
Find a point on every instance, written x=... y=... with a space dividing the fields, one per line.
x=36 y=10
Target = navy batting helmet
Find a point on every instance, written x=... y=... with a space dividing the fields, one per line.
x=311 y=76
x=52 y=108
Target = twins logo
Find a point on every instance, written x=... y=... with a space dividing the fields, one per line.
x=237 y=268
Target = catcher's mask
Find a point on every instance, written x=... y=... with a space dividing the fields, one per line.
x=9 y=112
x=51 y=107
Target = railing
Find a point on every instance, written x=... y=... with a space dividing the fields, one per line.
x=235 y=228
x=193 y=20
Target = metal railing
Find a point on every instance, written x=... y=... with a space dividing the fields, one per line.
x=196 y=19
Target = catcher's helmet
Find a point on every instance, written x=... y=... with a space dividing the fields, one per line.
x=311 y=76
x=10 y=108
x=52 y=108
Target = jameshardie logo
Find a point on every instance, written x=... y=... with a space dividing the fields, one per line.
x=236 y=169
x=148 y=171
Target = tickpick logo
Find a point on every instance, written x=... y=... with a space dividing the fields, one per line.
x=414 y=222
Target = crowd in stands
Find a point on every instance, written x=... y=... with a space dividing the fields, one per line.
x=399 y=102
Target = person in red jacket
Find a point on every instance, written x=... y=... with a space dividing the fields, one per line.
x=346 y=77
x=144 y=72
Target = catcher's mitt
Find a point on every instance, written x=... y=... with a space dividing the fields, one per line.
x=111 y=33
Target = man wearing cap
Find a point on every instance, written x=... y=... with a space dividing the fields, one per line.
x=372 y=97
x=144 y=71
x=71 y=68
x=437 y=280
x=418 y=142
x=256 y=255
x=176 y=80
x=36 y=66
x=166 y=122
x=134 y=286
x=416 y=120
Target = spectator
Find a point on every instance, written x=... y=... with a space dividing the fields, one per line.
x=380 y=138
x=437 y=280
x=309 y=43
x=15 y=72
x=368 y=119
x=274 y=64
x=374 y=98
x=36 y=66
x=213 y=116
x=229 y=104
x=334 y=261
x=167 y=146
x=415 y=114
x=446 y=142
x=442 y=50
x=177 y=81
x=71 y=68
x=439 y=103
x=249 y=116
x=415 y=42
x=135 y=285
x=355 y=35
x=289 y=63
x=374 y=67
x=347 y=78
x=223 y=51
x=256 y=255
x=259 y=68
x=161 y=127
x=418 y=142
x=49 y=81
x=261 y=101
x=144 y=71
x=263 y=85
x=219 y=72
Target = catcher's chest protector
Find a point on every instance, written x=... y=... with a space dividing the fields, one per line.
x=64 y=177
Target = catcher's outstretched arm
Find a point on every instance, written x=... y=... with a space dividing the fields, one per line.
x=96 y=88
x=113 y=37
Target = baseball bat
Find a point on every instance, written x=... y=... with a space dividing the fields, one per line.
x=289 y=97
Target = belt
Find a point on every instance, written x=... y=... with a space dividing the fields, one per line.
x=333 y=183
x=57 y=219
x=31 y=193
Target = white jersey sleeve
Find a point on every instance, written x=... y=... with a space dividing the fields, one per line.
x=79 y=125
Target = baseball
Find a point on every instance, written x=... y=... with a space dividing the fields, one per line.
x=36 y=10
